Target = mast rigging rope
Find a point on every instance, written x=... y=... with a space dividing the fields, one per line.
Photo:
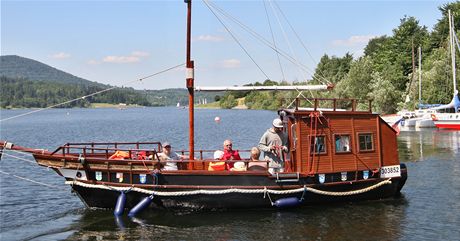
x=264 y=41
x=236 y=40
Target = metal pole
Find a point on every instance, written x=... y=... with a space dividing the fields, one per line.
x=452 y=50
x=189 y=82
x=419 y=77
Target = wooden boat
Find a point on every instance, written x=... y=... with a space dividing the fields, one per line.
x=335 y=155
x=318 y=171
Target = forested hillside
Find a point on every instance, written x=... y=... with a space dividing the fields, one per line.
x=19 y=67
x=28 y=83
x=18 y=92
x=385 y=73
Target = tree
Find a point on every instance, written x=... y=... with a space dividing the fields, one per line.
x=384 y=94
x=228 y=101
x=356 y=83
x=332 y=69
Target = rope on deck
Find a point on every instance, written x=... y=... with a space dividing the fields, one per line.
x=231 y=190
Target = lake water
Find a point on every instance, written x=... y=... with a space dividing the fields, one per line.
x=428 y=209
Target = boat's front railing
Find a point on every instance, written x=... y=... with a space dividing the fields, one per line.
x=133 y=151
x=329 y=104
x=106 y=149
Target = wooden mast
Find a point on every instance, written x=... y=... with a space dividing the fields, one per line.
x=189 y=82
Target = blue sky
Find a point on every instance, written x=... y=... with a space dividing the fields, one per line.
x=114 y=42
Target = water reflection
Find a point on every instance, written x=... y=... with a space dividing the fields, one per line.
x=426 y=144
x=429 y=209
x=377 y=220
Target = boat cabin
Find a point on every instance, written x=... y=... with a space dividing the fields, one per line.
x=331 y=140
x=322 y=138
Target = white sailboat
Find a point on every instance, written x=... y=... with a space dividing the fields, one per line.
x=450 y=116
x=413 y=120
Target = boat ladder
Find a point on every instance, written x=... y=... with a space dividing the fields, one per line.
x=287 y=177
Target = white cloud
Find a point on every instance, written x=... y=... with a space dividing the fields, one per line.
x=60 y=55
x=135 y=56
x=93 y=62
x=356 y=40
x=121 y=59
x=210 y=38
x=230 y=63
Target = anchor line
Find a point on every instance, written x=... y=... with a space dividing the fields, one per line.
x=95 y=93
x=33 y=181
x=264 y=191
x=19 y=158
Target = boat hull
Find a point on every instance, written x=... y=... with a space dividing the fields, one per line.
x=448 y=124
x=244 y=197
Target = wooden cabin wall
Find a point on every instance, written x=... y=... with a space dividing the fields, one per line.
x=389 y=144
x=369 y=159
x=332 y=162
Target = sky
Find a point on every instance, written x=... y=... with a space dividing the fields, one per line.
x=119 y=42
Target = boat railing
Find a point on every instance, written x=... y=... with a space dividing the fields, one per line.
x=106 y=149
x=208 y=154
x=329 y=104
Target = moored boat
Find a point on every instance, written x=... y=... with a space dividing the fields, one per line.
x=334 y=155
x=449 y=114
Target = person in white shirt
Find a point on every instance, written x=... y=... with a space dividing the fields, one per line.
x=273 y=143
x=168 y=158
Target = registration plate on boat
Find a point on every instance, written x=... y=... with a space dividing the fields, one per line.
x=390 y=171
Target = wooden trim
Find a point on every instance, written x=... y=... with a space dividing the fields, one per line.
x=354 y=151
x=299 y=150
x=332 y=143
x=379 y=141
x=277 y=187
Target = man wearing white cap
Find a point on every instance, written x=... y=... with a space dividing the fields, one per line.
x=167 y=157
x=273 y=143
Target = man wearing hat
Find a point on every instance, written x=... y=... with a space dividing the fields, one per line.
x=167 y=157
x=273 y=143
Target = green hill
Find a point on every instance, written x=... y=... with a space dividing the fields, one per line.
x=19 y=67
x=28 y=83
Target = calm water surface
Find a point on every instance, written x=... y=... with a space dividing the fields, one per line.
x=428 y=209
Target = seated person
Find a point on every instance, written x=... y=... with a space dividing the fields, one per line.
x=239 y=167
x=167 y=155
x=230 y=154
x=255 y=164
x=218 y=165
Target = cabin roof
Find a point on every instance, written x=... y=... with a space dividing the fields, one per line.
x=327 y=105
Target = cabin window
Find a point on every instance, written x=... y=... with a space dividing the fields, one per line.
x=342 y=143
x=294 y=135
x=318 y=145
x=365 y=142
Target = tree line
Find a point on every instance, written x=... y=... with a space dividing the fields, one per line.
x=385 y=74
x=23 y=93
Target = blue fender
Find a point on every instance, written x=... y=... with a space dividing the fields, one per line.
x=287 y=202
x=140 y=206
x=120 y=206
